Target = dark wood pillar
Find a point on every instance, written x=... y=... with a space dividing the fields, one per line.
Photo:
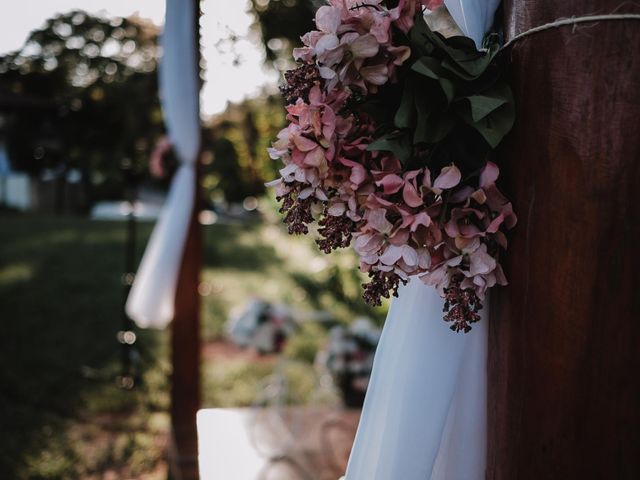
x=185 y=356
x=185 y=338
x=564 y=348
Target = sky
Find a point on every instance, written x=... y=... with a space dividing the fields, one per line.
x=225 y=80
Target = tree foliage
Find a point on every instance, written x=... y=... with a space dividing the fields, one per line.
x=95 y=83
x=238 y=140
x=281 y=24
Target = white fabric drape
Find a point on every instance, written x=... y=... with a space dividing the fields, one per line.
x=424 y=416
x=474 y=17
x=150 y=303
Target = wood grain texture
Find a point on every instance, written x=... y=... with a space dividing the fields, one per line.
x=186 y=354
x=186 y=389
x=564 y=348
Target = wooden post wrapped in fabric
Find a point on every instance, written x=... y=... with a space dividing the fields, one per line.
x=185 y=333
x=564 y=365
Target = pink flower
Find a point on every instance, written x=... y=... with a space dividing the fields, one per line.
x=465 y=223
x=377 y=220
x=410 y=193
x=449 y=177
x=439 y=276
x=318 y=42
x=432 y=4
x=157 y=159
x=414 y=221
x=484 y=272
x=447 y=230
x=403 y=14
x=352 y=44
x=367 y=246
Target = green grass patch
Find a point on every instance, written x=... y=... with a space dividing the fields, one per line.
x=61 y=300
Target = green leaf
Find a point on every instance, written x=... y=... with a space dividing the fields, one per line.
x=463 y=47
x=431 y=68
x=428 y=66
x=405 y=115
x=494 y=126
x=433 y=128
x=397 y=143
x=448 y=88
x=470 y=90
x=462 y=57
x=489 y=100
x=434 y=122
x=468 y=69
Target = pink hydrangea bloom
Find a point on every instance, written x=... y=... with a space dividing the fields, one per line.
x=402 y=222
x=352 y=44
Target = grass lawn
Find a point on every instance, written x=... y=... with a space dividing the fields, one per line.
x=61 y=415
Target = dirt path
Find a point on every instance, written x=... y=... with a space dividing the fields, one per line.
x=223 y=350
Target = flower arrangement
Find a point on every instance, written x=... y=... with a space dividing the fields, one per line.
x=348 y=358
x=390 y=126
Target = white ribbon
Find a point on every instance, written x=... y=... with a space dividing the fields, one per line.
x=424 y=416
x=151 y=301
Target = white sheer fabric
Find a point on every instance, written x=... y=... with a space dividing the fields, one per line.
x=474 y=17
x=424 y=417
x=150 y=303
x=425 y=412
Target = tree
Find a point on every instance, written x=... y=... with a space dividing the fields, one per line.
x=97 y=76
x=238 y=139
x=281 y=24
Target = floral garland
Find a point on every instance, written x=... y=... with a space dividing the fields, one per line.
x=390 y=127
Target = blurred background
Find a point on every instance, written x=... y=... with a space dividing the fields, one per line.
x=84 y=169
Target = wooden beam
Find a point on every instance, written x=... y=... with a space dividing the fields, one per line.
x=564 y=394
x=185 y=337
x=185 y=355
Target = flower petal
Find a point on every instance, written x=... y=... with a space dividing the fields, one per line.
x=332 y=56
x=288 y=170
x=391 y=255
x=421 y=218
x=315 y=158
x=449 y=177
x=326 y=73
x=390 y=183
x=304 y=144
x=409 y=255
x=320 y=195
x=326 y=43
x=489 y=174
x=376 y=74
x=306 y=193
x=426 y=180
x=328 y=19
x=424 y=259
x=377 y=219
x=337 y=209
x=411 y=195
x=273 y=183
x=480 y=262
x=365 y=46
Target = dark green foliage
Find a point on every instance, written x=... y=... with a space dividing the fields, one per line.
x=455 y=104
x=285 y=21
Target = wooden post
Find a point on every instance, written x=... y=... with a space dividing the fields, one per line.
x=185 y=356
x=564 y=348
x=185 y=338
